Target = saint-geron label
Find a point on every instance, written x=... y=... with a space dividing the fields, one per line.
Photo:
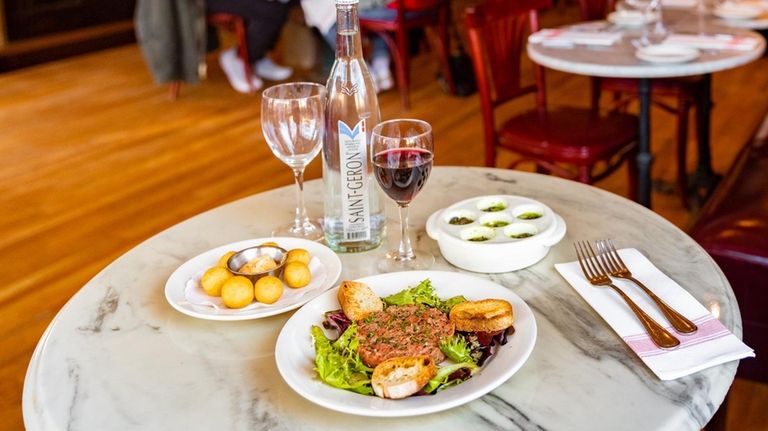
x=354 y=182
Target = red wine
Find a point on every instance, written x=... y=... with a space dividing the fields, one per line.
x=402 y=172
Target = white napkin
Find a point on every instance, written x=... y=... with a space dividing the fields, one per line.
x=569 y=37
x=718 y=41
x=712 y=344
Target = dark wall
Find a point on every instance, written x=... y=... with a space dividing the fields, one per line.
x=31 y=18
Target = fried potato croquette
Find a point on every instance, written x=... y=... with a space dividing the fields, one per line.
x=213 y=279
x=296 y=275
x=223 y=259
x=268 y=289
x=237 y=292
x=298 y=255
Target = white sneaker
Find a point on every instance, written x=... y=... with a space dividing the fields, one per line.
x=234 y=69
x=268 y=69
x=382 y=76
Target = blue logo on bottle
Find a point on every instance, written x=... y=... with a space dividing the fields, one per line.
x=352 y=134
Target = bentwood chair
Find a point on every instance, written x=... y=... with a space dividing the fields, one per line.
x=394 y=27
x=576 y=143
x=687 y=91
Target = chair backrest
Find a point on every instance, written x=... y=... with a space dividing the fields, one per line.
x=413 y=5
x=439 y=8
x=497 y=31
x=593 y=10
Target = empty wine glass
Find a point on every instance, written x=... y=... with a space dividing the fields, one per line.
x=654 y=31
x=402 y=160
x=293 y=122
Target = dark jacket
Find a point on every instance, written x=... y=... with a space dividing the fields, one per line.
x=172 y=37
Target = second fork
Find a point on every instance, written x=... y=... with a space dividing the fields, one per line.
x=617 y=268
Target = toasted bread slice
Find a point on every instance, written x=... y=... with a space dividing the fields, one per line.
x=487 y=315
x=358 y=300
x=401 y=377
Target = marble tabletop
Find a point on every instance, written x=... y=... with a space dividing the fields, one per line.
x=118 y=357
x=619 y=60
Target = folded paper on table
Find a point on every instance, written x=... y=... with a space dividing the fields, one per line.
x=562 y=36
x=718 y=41
x=712 y=344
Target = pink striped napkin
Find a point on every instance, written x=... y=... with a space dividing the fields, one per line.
x=715 y=41
x=712 y=344
x=574 y=37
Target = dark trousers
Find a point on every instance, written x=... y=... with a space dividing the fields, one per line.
x=264 y=20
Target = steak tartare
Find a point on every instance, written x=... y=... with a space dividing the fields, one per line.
x=403 y=330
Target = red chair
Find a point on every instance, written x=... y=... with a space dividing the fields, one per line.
x=232 y=23
x=412 y=14
x=568 y=142
x=686 y=91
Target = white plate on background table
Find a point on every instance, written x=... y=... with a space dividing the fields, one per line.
x=732 y=10
x=295 y=354
x=679 y=4
x=631 y=18
x=183 y=291
x=664 y=53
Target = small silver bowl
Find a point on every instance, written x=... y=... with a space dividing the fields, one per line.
x=278 y=254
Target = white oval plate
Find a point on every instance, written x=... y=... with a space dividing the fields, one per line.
x=738 y=11
x=679 y=4
x=183 y=291
x=295 y=354
x=664 y=53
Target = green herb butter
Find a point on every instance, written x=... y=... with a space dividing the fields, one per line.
x=460 y=220
x=529 y=216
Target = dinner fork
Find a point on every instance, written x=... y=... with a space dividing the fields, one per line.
x=616 y=267
x=597 y=276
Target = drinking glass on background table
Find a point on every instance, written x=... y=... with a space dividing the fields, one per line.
x=293 y=122
x=654 y=31
x=402 y=160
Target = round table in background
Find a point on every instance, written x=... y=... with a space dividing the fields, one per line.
x=117 y=356
x=619 y=61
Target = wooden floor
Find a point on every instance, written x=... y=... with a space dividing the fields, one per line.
x=96 y=159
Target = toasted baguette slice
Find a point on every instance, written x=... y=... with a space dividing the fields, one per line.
x=488 y=315
x=358 y=300
x=401 y=377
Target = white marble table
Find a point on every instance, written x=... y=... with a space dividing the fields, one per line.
x=118 y=357
x=619 y=61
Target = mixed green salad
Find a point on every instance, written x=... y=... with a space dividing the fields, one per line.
x=338 y=363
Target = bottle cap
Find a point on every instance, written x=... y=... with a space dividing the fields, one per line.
x=347 y=2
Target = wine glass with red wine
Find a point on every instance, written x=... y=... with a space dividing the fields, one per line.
x=402 y=160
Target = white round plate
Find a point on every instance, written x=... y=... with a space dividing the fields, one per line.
x=664 y=53
x=630 y=18
x=183 y=291
x=295 y=354
x=679 y=4
x=738 y=10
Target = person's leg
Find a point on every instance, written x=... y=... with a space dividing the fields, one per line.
x=380 y=64
x=264 y=20
x=382 y=76
x=330 y=37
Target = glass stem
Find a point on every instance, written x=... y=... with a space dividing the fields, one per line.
x=405 y=251
x=300 y=219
